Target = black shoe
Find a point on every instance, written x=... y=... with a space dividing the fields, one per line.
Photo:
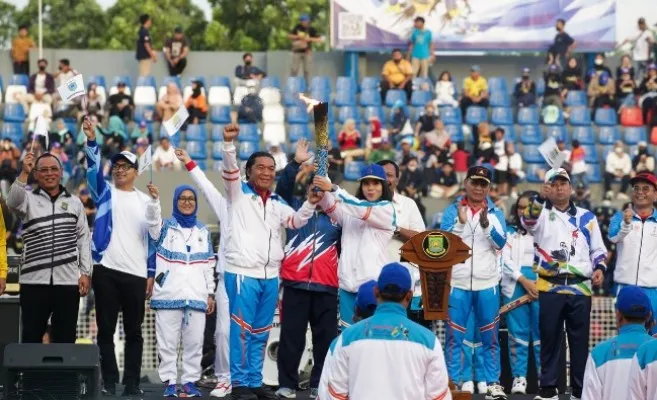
x=132 y=390
x=264 y=393
x=547 y=393
x=108 y=389
x=242 y=393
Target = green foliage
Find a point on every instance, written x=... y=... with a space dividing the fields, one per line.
x=7 y=25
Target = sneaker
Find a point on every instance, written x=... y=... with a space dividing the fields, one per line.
x=132 y=390
x=495 y=392
x=207 y=381
x=572 y=397
x=314 y=393
x=286 y=393
x=221 y=390
x=171 y=390
x=108 y=389
x=242 y=393
x=468 y=387
x=189 y=389
x=547 y=393
x=482 y=388
x=519 y=385
x=264 y=393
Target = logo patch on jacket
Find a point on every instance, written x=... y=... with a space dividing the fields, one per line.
x=64 y=206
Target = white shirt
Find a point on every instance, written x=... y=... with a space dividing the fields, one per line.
x=40 y=83
x=166 y=157
x=641 y=49
x=621 y=162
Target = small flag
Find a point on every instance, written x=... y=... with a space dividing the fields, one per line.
x=145 y=160
x=41 y=129
x=551 y=153
x=72 y=89
x=173 y=124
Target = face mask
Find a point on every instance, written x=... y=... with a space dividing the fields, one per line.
x=412 y=167
x=397 y=61
x=557 y=28
x=618 y=150
x=525 y=78
x=42 y=67
x=598 y=61
x=248 y=62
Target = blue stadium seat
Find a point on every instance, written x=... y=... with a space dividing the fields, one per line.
x=606 y=117
x=576 y=98
x=175 y=139
x=249 y=133
x=346 y=84
x=196 y=150
x=509 y=132
x=475 y=115
x=297 y=115
x=370 y=83
x=197 y=133
x=502 y=116
x=148 y=80
x=451 y=115
x=2 y=85
x=531 y=155
x=540 y=87
x=422 y=84
x=584 y=134
x=420 y=98
x=590 y=154
x=202 y=164
x=175 y=79
x=608 y=135
x=122 y=78
x=99 y=80
x=528 y=116
x=634 y=135
x=323 y=82
x=497 y=84
x=500 y=99
x=531 y=134
x=455 y=133
x=220 y=115
x=217 y=153
x=197 y=78
x=245 y=149
x=217 y=166
x=13 y=131
x=270 y=82
x=346 y=113
x=345 y=98
x=14 y=112
x=144 y=113
x=221 y=81
x=370 y=98
x=19 y=80
x=394 y=95
x=72 y=126
x=352 y=170
x=296 y=84
x=298 y=131
x=319 y=93
x=558 y=132
x=580 y=116
x=532 y=172
x=374 y=111
x=333 y=136
x=595 y=173
x=291 y=98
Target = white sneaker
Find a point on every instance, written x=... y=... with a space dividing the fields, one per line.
x=519 y=385
x=222 y=389
x=495 y=392
x=468 y=387
x=286 y=393
x=482 y=387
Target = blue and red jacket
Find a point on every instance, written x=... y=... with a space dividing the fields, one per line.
x=311 y=252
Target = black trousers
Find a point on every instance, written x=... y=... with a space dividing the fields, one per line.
x=21 y=67
x=575 y=311
x=39 y=302
x=467 y=102
x=609 y=179
x=385 y=86
x=300 y=307
x=175 y=70
x=117 y=291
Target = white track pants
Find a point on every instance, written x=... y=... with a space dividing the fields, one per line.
x=222 y=334
x=169 y=326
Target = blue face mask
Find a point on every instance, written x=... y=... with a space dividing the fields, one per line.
x=186 y=221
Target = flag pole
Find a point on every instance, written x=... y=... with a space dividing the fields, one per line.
x=40 y=29
x=151 y=166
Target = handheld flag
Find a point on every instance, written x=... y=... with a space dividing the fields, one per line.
x=551 y=153
x=173 y=124
x=73 y=88
x=146 y=160
x=40 y=129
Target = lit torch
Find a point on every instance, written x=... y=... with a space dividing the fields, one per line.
x=320 y=112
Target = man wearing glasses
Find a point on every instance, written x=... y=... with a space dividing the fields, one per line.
x=57 y=257
x=120 y=250
x=634 y=230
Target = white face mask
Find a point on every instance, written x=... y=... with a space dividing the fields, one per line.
x=412 y=167
x=598 y=62
x=619 y=150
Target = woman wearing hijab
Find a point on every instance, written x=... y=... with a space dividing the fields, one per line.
x=183 y=292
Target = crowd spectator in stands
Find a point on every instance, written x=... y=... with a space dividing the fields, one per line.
x=625 y=88
x=350 y=141
x=438 y=138
x=426 y=121
x=501 y=169
x=498 y=142
x=572 y=75
x=581 y=196
x=461 y=158
x=140 y=147
x=577 y=163
x=39 y=108
x=375 y=133
x=405 y=153
x=95 y=103
x=176 y=50
x=563 y=44
x=398 y=119
x=555 y=93
x=170 y=102
x=626 y=64
x=303 y=36
x=397 y=73
x=642 y=42
x=420 y=49
x=248 y=71
x=141 y=132
x=40 y=87
x=336 y=164
x=515 y=171
x=121 y=104
x=196 y=104
x=525 y=90
x=164 y=156
x=384 y=152
x=9 y=155
x=484 y=151
x=20 y=51
x=445 y=183
x=445 y=91
x=280 y=158
x=65 y=72
x=475 y=90
x=648 y=91
x=642 y=161
x=145 y=55
x=618 y=165
x=602 y=92
x=599 y=67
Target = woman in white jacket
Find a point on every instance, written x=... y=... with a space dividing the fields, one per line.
x=183 y=292
x=368 y=222
x=519 y=279
x=445 y=91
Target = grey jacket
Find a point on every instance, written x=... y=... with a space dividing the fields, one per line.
x=56 y=238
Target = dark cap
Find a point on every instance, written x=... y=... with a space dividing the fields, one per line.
x=178 y=29
x=645 y=176
x=394 y=278
x=365 y=298
x=632 y=301
x=479 y=172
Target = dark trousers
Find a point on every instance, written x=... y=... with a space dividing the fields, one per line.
x=467 y=102
x=609 y=179
x=300 y=307
x=117 y=291
x=175 y=70
x=21 y=68
x=575 y=311
x=209 y=346
x=385 y=86
x=39 y=302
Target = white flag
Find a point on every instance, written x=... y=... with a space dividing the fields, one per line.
x=173 y=124
x=72 y=89
x=551 y=153
x=145 y=160
x=41 y=129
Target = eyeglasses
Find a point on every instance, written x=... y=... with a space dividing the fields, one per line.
x=121 y=167
x=641 y=189
x=188 y=200
x=51 y=170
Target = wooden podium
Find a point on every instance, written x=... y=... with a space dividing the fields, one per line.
x=435 y=252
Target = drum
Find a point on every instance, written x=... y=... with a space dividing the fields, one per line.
x=270 y=366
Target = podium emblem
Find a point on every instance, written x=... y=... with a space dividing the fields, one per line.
x=435 y=245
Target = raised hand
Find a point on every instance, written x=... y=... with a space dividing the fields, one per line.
x=628 y=214
x=89 y=128
x=315 y=196
x=182 y=155
x=322 y=183
x=153 y=191
x=463 y=214
x=230 y=132
x=483 y=217
x=28 y=163
x=301 y=155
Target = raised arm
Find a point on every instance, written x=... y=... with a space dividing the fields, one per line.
x=451 y=221
x=295 y=220
x=287 y=181
x=215 y=199
x=99 y=189
x=620 y=225
x=154 y=213
x=496 y=230
x=17 y=197
x=231 y=170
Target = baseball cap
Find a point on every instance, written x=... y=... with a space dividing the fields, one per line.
x=645 y=176
x=479 y=172
x=128 y=156
x=553 y=174
x=372 y=171
x=394 y=278
x=525 y=71
x=652 y=66
x=304 y=18
x=475 y=68
x=142 y=124
x=632 y=301
x=365 y=298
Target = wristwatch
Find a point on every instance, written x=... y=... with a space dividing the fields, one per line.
x=334 y=188
x=485 y=225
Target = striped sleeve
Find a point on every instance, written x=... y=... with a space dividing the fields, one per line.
x=231 y=172
x=49 y=242
x=379 y=214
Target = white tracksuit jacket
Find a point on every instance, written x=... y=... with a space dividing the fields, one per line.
x=636 y=248
x=643 y=373
x=518 y=252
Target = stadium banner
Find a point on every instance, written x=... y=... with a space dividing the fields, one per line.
x=472 y=25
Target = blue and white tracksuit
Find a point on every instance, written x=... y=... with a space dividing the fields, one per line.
x=253 y=252
x=522 y=322
x=473 y=354
x=367 y=227
x=643 y=373
x=609 y=364
x=475 y=288
x=636 y=248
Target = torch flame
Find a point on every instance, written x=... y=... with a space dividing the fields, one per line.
x=310 y=103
